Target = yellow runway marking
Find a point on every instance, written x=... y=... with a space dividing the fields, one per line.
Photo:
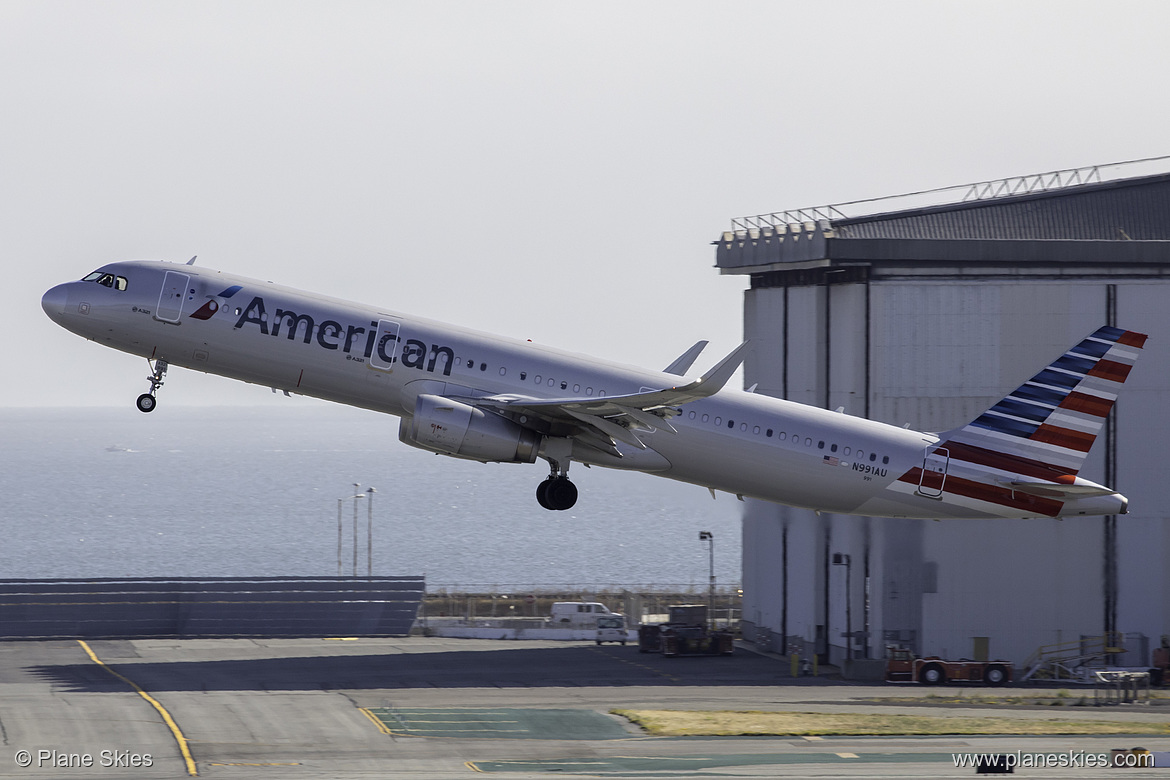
x=847 y=755
x=166 y=716
x=472 y=767
x=377 y=721
x=419 y=720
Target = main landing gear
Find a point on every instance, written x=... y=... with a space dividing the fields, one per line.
x=557 y=492
x=146 y=402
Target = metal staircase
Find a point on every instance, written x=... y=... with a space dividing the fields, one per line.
x=1075 y=660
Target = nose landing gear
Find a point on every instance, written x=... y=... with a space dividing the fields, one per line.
x=146 y=402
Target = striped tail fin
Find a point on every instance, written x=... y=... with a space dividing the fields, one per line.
x=1046 y=426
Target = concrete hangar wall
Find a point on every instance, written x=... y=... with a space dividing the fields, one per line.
x=927 y=317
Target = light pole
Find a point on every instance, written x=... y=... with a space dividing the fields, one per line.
x=356 y=495
x=707 y=536
x=340 y=501
x=370 y=533
x=843 y=559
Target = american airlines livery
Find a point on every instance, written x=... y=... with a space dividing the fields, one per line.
x=471 y=395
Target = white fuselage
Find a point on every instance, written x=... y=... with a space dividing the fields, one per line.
x=301 y=342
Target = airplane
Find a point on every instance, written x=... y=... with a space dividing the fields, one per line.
x=486 y=398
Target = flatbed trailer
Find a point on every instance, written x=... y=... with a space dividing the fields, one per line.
x=903 y=666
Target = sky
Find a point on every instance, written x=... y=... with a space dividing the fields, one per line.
x=553 y=171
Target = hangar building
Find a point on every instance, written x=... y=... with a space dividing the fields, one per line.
x=927 y=315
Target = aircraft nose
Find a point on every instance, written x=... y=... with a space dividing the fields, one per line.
x=55 y=300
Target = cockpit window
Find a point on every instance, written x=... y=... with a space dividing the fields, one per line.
x=107 y=280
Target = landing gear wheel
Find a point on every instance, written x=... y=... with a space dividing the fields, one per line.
x=556 y=493
x=561 y=494
x=146 y=402
x=542 y=494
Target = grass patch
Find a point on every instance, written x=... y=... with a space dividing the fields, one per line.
x=688 y=723
x=1060 y=698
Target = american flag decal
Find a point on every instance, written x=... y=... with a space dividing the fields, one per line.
x=831 y=461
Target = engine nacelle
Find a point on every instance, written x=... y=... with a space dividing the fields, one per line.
x=453 y=428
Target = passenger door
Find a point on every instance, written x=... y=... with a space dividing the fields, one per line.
x=170 y=299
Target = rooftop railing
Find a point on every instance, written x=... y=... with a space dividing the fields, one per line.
x=961 y=193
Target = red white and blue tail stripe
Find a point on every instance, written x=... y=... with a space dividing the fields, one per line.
x=1025 y=452
x=1053 y=419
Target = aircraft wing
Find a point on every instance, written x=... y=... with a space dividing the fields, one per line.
x=617 y=417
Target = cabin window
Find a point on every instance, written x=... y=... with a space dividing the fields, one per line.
x=551 y=381
x=471 y=364
x=523 y=375
x=820 y=445
x=600 y=393
x=564 y=385
x=847 y=450
x=731 y=423
x=782 y=436
x=718 y=420
x=692 y=415
x=808 y=441
x=706 y=417
x=503 y=371
x=743 y=427
x=872 y=457
x=769 y=433
x=885 y=459
x=756 y=430
x=483 y=366
x=588 y=391
x=576 y=388
x=537 y=378
x=833 y=448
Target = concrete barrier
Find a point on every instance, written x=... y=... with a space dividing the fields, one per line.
x=503 y=632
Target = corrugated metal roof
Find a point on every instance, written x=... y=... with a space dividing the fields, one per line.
x=1131 y=209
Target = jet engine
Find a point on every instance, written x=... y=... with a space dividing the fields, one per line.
x=452 y=428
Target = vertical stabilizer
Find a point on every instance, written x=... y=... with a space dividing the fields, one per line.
x=1045 y=427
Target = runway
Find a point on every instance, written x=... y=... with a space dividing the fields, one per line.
x=443 y=708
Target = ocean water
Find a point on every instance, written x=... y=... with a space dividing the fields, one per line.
x=253 y=491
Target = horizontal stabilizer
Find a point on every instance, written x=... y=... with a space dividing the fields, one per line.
x=1079 y=489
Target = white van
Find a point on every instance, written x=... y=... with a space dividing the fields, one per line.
x=611 y=628
x=577 y=614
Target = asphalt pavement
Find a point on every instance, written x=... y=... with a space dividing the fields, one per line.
x=447 y=708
